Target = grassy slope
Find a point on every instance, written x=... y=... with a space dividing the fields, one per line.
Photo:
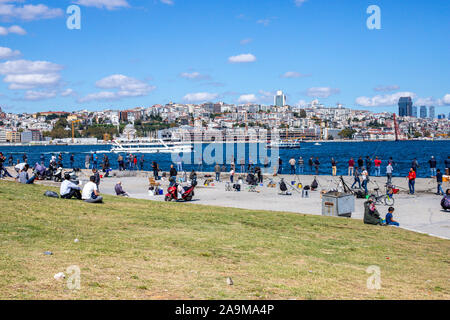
x=177 y=250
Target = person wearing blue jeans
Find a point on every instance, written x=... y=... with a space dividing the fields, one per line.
x=411 y=180
x=440 y=191
x=390 y=218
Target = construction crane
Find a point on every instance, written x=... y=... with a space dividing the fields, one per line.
x=73 y=129
x=396 y=127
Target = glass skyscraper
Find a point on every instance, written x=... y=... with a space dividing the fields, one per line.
x=280 y=99
x=423 y=112
x=414 y=112
x=431 y=114
x=405 y=107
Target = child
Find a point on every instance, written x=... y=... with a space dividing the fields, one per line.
x=389 y=218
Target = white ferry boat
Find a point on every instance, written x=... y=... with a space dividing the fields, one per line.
x=150 y=146
x=293 y=144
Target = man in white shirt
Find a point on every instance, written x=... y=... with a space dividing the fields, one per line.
x=90 y=192
x=389 y=170
x=69 y=189
x=365 y=180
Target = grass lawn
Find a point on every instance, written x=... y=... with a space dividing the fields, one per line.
x=137 y=249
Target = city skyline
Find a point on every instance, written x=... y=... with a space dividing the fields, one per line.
x=199 y=51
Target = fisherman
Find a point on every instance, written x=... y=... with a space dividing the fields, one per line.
x=301 y=165
x=377 y=163
x=415 y=164
x=317 y=165
x=333 y=167
x=292 y=162
x=360 y=163
x=389 y=170
x=351 y=166
x=310 y=164
x=368 y=165
x=432 y=163
x=440 y=191
x=411 y=180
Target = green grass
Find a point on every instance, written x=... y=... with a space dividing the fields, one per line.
x=137 y=249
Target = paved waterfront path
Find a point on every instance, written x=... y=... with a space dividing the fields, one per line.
x=421 y=212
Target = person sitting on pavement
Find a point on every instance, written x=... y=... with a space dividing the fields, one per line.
x=390 y=218
x=68 y=189
x=371 y=215
x=119 y=190
x=445 y=202
x=23 y=176
x=90 y=192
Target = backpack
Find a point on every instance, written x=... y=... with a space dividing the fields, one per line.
x=314 y=184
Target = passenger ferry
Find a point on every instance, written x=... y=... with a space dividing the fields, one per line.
x=150 y=146
x=292 y=144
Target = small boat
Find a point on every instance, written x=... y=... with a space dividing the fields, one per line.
x=150 y=146
x=317 y=144
x=294 y=144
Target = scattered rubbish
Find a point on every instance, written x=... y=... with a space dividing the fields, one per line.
x=48 y=253
x=310 y=271
x=59 y=275
x=76 y=240
x=387 y=258
x=118 y=278
x=229 y=281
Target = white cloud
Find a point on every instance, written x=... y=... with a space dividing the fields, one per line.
x=292 y=74
x=25 y=74
x=194 y=76
x=302 y=103
x=298 y=3
x=446 y=99
x=29 y=12
x=108 y=4
x=383 y=100
x=264 y=22
x=246 y=41
x=386 y=88
x=126 y=87
x=321 y=92
x=6 y=53
x=13 y=29
x=39 y=95
x=247 y=98
x=68 y=92
x=169 y=2
x=200 y=97
x=242 y=58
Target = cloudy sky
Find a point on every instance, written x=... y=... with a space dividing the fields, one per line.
x=142 y=52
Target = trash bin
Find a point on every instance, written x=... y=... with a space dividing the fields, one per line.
x=338 y=204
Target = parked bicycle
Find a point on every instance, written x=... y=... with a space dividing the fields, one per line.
x=387 y=198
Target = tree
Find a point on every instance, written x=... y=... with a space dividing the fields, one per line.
x=347 y=133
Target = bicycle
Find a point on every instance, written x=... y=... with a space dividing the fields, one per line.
x=387 y=198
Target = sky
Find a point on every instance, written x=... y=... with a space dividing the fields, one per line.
x=131 y=53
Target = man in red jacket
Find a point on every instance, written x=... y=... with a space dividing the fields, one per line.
x=411 y=180
x=377 y=167
x=351 y=166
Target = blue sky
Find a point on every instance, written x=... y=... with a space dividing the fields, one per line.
x=132 y=53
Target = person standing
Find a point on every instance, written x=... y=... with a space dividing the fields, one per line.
x=301 y=165
x=72 y=160
x=97 y=178
x=141 y=162
x=377 y=163
x=440 y=191
x=120 y=162
x=259 y=174
x=217 y=170
x=135 y=167
x=389 y=170
x=232 y=175
x=356 y=178
x=351 y=166
x=179 y=163
x=292 y=162
x=311 y=164
x=365 y=180
x=317 y=165
x=155 y=170
x=360 y=163
x=333 y=167
x=415 y=164
x=432 y=163
x=368 y=165
x=447 y=166
x=280 y=165
x=87 y=161
x=266 y=164
x=94 y=160
x=242 y=162
x=411 y=180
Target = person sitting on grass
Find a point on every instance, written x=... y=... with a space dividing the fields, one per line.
x=119 y=190
x=90 y=192
x=371 y=215
x=390 y=218
x=69 y=189
x=23 y=176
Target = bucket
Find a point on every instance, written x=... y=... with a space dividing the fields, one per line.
x=161 y=192
x=292 y=183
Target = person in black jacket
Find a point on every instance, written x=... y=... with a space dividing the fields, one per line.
x=360 y=163
x=173 y=172
x=432 y=163
x=371 y=214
